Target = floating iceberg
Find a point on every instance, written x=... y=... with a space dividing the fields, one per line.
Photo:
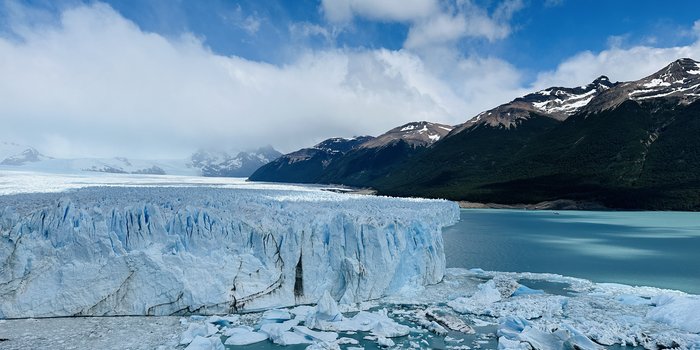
x=186 y=250
x=202 y=343
x=587 y=316
x=590 y=317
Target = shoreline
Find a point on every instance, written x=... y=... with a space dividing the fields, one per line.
x=559 y=204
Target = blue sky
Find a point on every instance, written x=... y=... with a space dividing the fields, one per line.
x=291 y=73
x=543 y=32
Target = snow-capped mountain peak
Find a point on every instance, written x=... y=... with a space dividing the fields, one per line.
x=340 y=145
x=236 y=164
x=15 y=154
x=555 y=102
x=416 y=134
x=329 y=148
x=562 y=102
x=680 y=80
x=678 y=70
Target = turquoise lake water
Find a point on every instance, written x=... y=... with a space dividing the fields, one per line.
x=660 y=249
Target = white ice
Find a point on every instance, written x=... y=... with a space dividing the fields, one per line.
x=245 y=337
x=677 y=310
x=171 y=250
x=202 y=343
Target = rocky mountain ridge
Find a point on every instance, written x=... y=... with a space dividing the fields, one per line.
x=627 y=145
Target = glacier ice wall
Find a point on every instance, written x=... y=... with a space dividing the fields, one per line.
x=163 y=251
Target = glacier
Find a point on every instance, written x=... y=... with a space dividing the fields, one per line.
x=106 y=251
x=269 y=265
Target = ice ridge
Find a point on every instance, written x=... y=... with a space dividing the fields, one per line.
x=169 y=251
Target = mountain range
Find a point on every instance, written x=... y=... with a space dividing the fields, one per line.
x=14 y=156
x=354 y=161
x=627 y=145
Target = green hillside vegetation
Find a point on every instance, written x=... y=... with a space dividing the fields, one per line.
x=364 y=166
x=631 y=145
x=635 y=156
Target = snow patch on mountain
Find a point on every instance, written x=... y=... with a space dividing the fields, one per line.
x=324 y=151
x=555 y=102
x=416 y=134
x=231 y=164
x=678 y=81
x=341 y=145
x=565 y=103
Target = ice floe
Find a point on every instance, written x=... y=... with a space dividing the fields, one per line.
x=496 y=310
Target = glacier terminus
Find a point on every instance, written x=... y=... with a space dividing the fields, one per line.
x=186 y=250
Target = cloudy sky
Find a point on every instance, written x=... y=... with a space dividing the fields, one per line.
x=161 y=78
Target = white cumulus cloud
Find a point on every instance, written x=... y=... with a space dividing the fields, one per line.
x=619 y=64
x=95 y=84
x=341 y=11
x=431 y=22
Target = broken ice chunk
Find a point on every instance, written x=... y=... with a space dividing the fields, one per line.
x=277 y=314
x=193 y=330
x=202 y=343
x=321 y=336
x=236 y=330
x=245 y=336
x=390 y=329
x=485 y=295
x=524 y=290
x=518 y=333
x=327 y=309
x=223 y=321
x=677 y=310
x=385 y=342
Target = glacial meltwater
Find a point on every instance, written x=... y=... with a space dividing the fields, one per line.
x=657 y=249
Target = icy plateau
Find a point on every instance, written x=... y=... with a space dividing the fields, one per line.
x=198 y=250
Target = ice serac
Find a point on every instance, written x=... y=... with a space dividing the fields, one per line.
x=162 y=251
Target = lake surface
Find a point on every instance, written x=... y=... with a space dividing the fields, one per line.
x=660 y=249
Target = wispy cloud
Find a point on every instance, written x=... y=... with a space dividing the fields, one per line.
x=302 y=31
x=343 y=11
x=465 y=20
x=553 y=3
x=251 y=24
x=431 y=22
